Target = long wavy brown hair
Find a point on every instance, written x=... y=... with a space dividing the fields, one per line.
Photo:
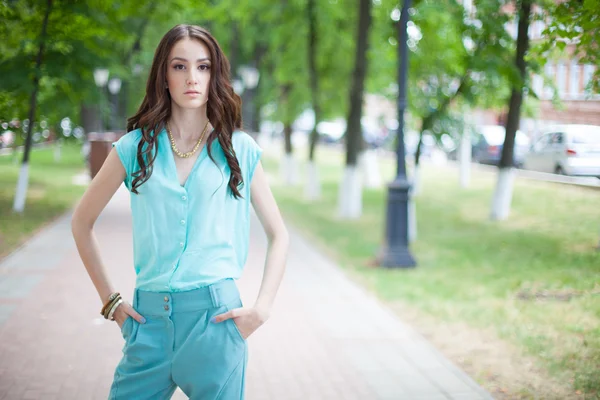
x=223 y=106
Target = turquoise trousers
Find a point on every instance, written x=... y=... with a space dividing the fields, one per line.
x=179 y=346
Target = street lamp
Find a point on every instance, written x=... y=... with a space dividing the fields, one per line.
x=395 y=252
x=114 y=86
x=101 y=78
x=250 y=76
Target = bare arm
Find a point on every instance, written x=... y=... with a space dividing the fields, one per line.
x=248 y=319
x=102 y=188
x=268 y=213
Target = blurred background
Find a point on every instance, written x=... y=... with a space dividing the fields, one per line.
x=446 y=156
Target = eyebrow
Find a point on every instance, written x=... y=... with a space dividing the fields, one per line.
x=183 y=59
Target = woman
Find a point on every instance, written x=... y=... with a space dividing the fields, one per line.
x=192 y=176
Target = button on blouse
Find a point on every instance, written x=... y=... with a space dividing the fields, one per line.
x=189 y=236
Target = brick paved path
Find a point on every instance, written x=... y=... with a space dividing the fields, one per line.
x=327 y=338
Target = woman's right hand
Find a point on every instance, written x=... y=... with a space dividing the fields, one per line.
x=125 y=310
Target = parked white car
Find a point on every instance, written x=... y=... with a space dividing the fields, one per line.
x=568 y=150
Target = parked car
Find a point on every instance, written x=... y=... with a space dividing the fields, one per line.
x=331 y=131
x=487 y=145
x=568 y=150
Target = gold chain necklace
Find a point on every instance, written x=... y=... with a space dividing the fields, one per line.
x=190 y=153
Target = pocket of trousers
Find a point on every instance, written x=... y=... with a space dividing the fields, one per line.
x=125 y=328
x=230 y=322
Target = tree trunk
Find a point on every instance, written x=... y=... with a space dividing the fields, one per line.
x=90 y=118
x=288 y=164
x=427 y=124
x=464 y=159
x=419 y=146
x=255 y=126
x=260 y=51
x=287 y=133
x=247 y=104
x=137 y=45
x=503 y=192
x=350 y=193
x=234 y=50
x=312 y=189
x=368 y=161
x=21 y=192
x=354 y=130
x=314 y=76
x=416 y=177
x=122 y=106
x=289 y=169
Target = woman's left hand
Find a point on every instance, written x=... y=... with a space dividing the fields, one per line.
x=247 y=319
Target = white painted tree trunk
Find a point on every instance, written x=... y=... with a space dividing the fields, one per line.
x=57 y=151
x=412 y=219
x=312 y=190
x=503 y=194
x=350 y=194
x=416 y=181
x=370 y=169
x=465 y=160
x=22 y=183
x=289 y=170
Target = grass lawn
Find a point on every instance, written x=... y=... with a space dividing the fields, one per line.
x=51 y=192
x=532 y=281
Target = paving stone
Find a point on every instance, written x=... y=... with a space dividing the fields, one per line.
x=327 y=337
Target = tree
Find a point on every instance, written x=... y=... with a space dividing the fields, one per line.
x=504 y=186
x=76 y=38
x=21 y=192
x=350 y=193
x=285 y=89
x=312 y=184
x=575 y=21
x=458 y=61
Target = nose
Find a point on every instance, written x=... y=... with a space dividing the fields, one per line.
x=192 y=79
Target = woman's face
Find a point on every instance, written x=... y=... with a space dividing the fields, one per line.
x=188 y=73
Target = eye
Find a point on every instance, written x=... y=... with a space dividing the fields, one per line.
x=204 y=67
x=178 y=66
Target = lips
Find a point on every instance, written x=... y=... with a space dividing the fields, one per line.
x=191 y=92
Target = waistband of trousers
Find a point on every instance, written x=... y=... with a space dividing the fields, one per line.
x=164 y=303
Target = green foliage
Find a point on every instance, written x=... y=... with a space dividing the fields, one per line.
x=456 y=59
x=120 y=35
x=575 y=22
x=81 y=36
x=285 y=62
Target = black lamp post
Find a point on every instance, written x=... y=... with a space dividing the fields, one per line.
x=395 y=252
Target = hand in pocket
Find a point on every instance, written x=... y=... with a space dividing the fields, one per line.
x=247 y=319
